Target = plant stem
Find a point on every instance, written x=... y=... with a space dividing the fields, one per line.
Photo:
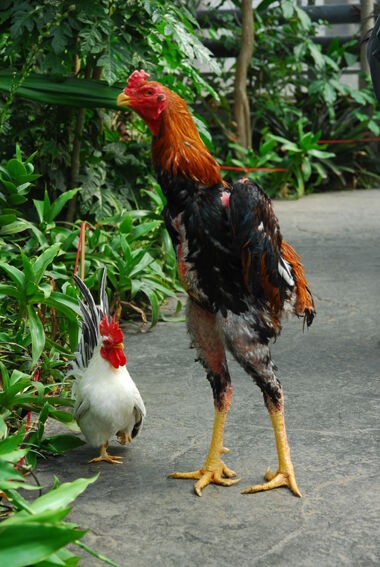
x=97 y=555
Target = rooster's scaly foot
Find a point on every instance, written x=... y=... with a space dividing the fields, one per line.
x=114 y=460
x=104 y=456
x=275 y=480
x=214 y=470
x=216 y=473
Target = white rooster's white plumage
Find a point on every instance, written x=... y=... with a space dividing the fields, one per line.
x=108 y=402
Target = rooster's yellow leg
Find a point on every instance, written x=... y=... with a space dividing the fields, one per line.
x=284 y=476
x=214 y=470
x=123 y=437
x=104 y=456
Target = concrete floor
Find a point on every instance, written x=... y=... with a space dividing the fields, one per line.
x=138 y=517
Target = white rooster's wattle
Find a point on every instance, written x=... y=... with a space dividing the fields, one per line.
x=107 y=401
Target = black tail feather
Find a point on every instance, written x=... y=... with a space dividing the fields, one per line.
x=92 y=314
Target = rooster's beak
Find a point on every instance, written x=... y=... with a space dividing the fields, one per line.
x=123 y=100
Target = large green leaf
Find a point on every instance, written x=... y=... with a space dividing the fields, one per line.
x=68 y=91
x=33 y=543
x=62 y=495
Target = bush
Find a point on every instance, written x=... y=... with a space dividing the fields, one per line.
x=39 y=331
x=297 y=99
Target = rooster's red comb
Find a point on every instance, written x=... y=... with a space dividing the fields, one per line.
x=137 y=78
x=111 y=329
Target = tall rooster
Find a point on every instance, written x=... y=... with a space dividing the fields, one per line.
x=240 y=275
x=108 y=402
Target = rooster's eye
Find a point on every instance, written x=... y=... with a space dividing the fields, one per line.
x=148 y=93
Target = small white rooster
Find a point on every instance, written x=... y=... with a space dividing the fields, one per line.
x=107 y=401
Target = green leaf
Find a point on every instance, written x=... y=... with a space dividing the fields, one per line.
x=9 y=447
x=287 y=9
x=126 y=225
x=8 y=472
x=135 y=286
x=16 y=200
x=33 y=543
x=15 y=227
x=40 y=208
x=306 y=168
x=303 y=17
x=59 y=444
x=15 y=274
x=320 y=154
x=43 y=261
x=16 y=169
x=59 y=203
x=3 y=425
x=67 y=91
x=300 y=182
x=61 y=496
x=7 y=219
x=30 y=284
x=153 y=300
x=329 y=93
x=316 y=55
x=321 y=170
x=53 y=516
x=37 y=333
x=63 y=557
x=143 y=229
x=10 y=291
x=140 y=266
x=65 y=304
x=374 y=127
x=60 y=415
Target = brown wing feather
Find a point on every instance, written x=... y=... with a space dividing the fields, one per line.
x=304 y=304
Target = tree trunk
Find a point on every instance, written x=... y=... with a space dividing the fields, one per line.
x=75 y=154
x=367 y=22
x=241 y=101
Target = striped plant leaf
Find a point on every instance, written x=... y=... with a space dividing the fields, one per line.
x=63 y=91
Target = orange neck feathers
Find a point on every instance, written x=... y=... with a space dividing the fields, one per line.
x=179 y=150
